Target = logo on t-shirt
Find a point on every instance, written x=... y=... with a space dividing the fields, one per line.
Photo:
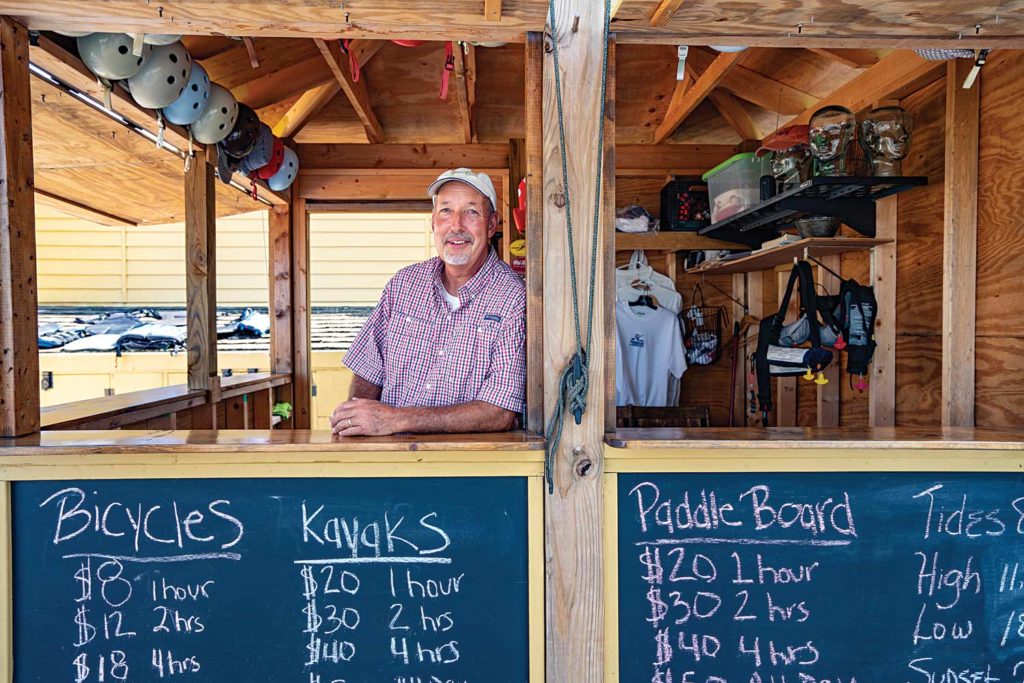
x=637 y=341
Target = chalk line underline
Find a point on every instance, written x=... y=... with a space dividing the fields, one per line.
x=378 y=560
x=743 y=541
x=165 y=558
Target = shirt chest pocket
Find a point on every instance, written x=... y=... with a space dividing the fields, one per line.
x=411 y=339
x=476 y=341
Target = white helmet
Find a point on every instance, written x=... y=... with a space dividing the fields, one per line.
x=160 y=38
x=285 y=175
x=163 y=77
x=109 y=55
x=217 y=118
x=190 y=104
x=73 y=34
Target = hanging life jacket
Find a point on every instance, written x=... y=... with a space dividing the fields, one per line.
x=856 y=316
x=774 y=360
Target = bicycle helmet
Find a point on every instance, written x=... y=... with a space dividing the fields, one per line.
x=285 y=175
x=160 y=38
x=189 y=105
x=109 y=55
x=217 y=118
x=244 y=134
x=162 y=79
x=259 y=156
x=276 y=159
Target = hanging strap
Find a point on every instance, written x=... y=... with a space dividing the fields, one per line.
x=449 y=67
x=353 y=63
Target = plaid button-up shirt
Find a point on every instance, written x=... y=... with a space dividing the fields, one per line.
x=421 y=353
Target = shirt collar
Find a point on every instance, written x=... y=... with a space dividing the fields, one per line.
x=476 y=283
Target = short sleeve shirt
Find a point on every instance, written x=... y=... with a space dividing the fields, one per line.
x=423 y=353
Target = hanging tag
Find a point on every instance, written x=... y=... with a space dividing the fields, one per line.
x=137 y=43
x=978 y=63
x=449 y=67
x=681 y=53
x=107 y=87
x=254 y=190
x=840 y=343
x=861 y=384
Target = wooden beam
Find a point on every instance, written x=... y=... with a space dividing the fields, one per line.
x=280 y=286
x=308 y=105
x=397 y=206
x=312 y=101
x=574 y=512
x=882 y=387
x=630 y=159
x=664 y=11
x=786 y=387
x=897 y=75
x=753 y=86
x=432 y=156
x=960 y=246
x=465 y=91
x=851 y=57
x=375 y=184
x=492 y=10
x=79 y=210
x=201 y=274
x=19 y=354
x=735 y=115
x=535 y=191
x=707 y=82
x=355 y=91
x=302 y=367
x=279 y=85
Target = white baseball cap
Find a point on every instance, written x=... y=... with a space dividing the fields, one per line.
x=480 y=182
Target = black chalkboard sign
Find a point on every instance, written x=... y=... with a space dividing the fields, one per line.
x=807 y=578
x=303 y=580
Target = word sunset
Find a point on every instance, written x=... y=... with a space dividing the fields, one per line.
x=757 y=509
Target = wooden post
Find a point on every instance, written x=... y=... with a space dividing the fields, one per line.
x=201 y=288
x=280 y=297
x=785 y=387
x=828 y=394
x=882 y=396
x=302 y=377
x=19 y=355
x=960 y=247
x=535 y=193
x=573 y=514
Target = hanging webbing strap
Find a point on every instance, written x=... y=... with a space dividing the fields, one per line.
x=449 y=67
x=574 y=384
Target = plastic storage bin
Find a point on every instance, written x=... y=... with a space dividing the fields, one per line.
x=734 y=185
x=685 y=204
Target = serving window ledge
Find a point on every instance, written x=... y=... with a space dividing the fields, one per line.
x=817 y=437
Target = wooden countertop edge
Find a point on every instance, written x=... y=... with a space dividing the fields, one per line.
x=812 y=438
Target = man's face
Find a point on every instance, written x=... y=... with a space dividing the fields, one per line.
x=463 y=221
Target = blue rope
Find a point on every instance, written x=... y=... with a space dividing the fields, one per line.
x=574 y=385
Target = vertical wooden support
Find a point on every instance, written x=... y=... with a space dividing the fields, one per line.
x=19 y=355
x=754 y=284
x=201 y=273
x=828 y=394
x=302 y=369
x=280 y=294
x=262 y=405
x=534 y=102
x=785 y=387
x=882 y=396
x=960 y=246
x=573 y=513
x=741 y=293
x=6 y=585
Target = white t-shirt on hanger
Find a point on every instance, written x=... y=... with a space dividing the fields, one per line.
x=648 y=355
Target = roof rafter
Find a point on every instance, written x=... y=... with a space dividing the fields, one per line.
x=312 y=101
x=283 y=83
x=492 y=10
x=355 y=91
x=735 y=115
x=852 y=57
x=755 y=87
x=80 y=210
x=682 y=107
x=664 y=11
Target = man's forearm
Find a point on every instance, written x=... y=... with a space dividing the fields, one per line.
x=475 y=416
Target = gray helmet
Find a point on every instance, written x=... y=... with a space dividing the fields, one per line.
x=218 y=117
x=74 y=34
x=163 y=77
x=160 y=38
x=286 y=174
x=261 y=151
x=109 y=55
x=190 y=104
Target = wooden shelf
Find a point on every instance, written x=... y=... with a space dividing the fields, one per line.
x=769 y=258
x=669 y=241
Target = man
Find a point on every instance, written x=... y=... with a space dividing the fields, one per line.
x=444 y=349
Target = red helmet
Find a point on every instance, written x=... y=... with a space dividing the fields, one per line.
x=408 y=43
x=276 y=159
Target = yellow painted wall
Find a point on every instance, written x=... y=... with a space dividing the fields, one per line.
x=352 y=256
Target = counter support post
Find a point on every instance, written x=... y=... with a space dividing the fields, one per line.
x=201 y=275
x=19 y=356
x=573 y=512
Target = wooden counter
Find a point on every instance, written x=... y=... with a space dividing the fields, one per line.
x=817 y=437
x=265 y=453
